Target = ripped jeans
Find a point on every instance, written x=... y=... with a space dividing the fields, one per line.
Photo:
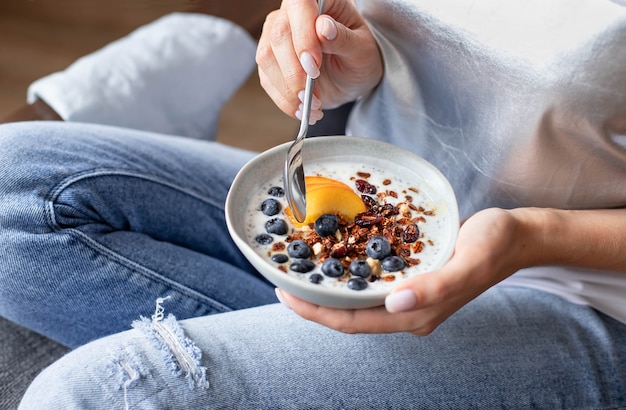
x=99 y=223
x=511 y=348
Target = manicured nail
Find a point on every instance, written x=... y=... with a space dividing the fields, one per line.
x=280 y=298
x=400 y=301
x=314 y=116
x=316 y=112
x=329 y=28
x=308 y=65
x=316 y=103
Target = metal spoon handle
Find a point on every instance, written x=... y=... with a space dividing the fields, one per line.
x=295 y=185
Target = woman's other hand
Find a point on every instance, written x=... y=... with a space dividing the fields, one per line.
x=337 y=48
x=491 y=246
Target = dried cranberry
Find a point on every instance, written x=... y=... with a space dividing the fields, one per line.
x=365 y=187
x=390 y=209
x=366 y=219
x=411 y=233
x=369 y=201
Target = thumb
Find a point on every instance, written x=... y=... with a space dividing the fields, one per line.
x=335 y=37
x=430 y=288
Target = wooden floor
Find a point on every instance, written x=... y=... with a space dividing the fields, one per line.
x=38 y=37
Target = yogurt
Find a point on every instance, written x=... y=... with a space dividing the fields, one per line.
x=411 y=205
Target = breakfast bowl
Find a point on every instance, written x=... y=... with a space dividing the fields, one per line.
x=376 y=214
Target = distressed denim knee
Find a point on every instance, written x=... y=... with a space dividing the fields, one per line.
x=130 y=369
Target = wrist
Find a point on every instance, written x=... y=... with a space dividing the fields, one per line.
x=533 y=230
x=590 y=239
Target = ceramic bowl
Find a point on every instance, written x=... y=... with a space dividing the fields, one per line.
x=391 y=159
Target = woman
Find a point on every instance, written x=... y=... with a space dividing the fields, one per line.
x=520 y=105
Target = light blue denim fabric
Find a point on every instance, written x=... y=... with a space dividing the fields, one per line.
x=511 y=348
x=96 y=222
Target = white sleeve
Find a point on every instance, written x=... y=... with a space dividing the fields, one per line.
x=171 y=76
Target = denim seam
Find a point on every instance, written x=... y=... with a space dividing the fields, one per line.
x=125 y=262
x=56 y=190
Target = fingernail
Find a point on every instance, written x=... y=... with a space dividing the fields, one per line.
x=280 y=298
x=308 y=65
x=400 y=301
x=315 y=116
x=329 y=29
x=316 y=103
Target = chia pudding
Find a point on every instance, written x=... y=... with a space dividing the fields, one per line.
x=397 y=235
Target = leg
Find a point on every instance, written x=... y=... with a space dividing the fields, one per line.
x=510 y=348
x=97 y=222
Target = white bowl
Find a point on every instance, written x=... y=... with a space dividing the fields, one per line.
x=268 y=166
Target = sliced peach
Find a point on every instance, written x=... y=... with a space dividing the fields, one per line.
x=316 y=180
x=323 y=197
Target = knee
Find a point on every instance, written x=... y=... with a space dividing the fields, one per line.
x=13 y=137
x=22 y=169
x=124 y=370
x=92 y=376
x=21 y=152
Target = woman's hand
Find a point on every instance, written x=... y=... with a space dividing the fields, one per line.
x=337 y=48
x=492 y=245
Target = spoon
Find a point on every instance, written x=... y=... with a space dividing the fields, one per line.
x=293 y=172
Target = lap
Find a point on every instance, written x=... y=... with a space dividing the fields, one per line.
x=97 y=222
x=510 y=348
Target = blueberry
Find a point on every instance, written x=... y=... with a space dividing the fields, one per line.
x=302 y=266
x=264 y=239
x=276 y=191
x=326 y=225
x=316 y=278
x=276 y=226
x=393 y=263
x=378 y=247
x=280 y=258
x=357 y=284
x=270 y=207
x=299 y=249
x=332 y=267
x=361 y=268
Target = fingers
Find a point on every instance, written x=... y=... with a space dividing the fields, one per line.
x=431 y=289
x=291 y=45
x=279 y=69
x=335 y=38
x=289 y=49
x=343 y=320
x=316 y=108
x=284 y=56
x=372 y=320
x=418 y=306
x=421 y=303
x=302 y=14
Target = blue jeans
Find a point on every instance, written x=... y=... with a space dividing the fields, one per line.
x=98 y=223
x=512 y=348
